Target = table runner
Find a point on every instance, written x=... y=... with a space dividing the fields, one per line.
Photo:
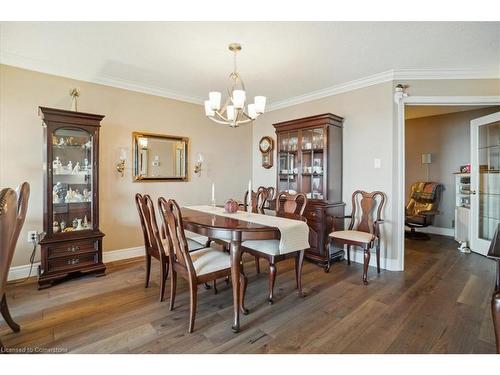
x=294 y=233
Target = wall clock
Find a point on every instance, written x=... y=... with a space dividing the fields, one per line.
x=266 y=146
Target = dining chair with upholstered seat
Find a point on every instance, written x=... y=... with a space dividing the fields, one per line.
x=13 y=208
x=270 y=196
x=287 y=204
x=199 y=267
x=363 y=230
x=154 y=240
x=259 y=199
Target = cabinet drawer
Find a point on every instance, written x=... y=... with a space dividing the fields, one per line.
x=72 y=248
x=72 y=262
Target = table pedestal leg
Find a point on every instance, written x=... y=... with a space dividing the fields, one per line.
x=235 y=254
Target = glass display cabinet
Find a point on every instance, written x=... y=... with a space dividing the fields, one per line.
x=72 y=241
x=310 y=162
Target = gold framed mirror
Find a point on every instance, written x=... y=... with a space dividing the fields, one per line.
x=158 y=157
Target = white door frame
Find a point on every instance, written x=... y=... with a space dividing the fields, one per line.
x=477 y=244
x=402 y=101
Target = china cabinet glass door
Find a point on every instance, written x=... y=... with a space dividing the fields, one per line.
x=72 y=185
x=485 y=181
x=288 y=166
x=312 y=163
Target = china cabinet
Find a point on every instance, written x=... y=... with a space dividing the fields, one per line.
x=72 y=241
x=309 y=156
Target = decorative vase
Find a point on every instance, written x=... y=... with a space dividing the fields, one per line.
x=231 y=206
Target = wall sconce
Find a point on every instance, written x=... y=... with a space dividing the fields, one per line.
x=198 y=164
x=120 y=166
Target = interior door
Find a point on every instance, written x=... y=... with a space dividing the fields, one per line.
x=485 y=180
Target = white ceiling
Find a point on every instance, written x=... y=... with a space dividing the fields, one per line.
x=280 y=60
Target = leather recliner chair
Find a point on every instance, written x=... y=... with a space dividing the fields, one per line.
x=422 y=208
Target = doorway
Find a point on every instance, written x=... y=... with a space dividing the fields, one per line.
x=403 y=104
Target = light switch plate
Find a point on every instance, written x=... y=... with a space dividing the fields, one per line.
x=377 y=163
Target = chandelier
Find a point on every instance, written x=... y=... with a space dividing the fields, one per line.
x=233 y=111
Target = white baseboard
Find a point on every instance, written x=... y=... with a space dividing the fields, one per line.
x=21 y=272
x=450 y=232
x=114 y=255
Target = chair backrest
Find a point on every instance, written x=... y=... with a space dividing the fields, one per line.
x=259 y=199
x=8 y=224
x=365 y=207
x=152 y=237
x=291 y=203
x=270 y=194
x=424 y=196
x=23 y=196
x=177 y=242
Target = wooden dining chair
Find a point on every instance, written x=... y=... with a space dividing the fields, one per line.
x=197 y=267
x=259 y=199
x=270 y=195
x=363 y=230
x=13 y=208
x=153 y=244
x=293 y=204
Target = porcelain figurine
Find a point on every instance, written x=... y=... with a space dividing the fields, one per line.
x=78 y=224
x=63 y=225
x=55 y=227
x=62 y=142
x=76 y=169
x=85 y=222
x=56 y=165
x=86 y=164
x=69 y=167
x=75 y=223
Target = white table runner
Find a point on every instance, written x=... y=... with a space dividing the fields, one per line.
x=294 y=233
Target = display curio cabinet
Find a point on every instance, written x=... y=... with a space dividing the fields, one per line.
x=72 y=241
x=309 y=155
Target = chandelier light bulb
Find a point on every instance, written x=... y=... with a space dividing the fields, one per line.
x=239 y=97
x=230 y=112
x=260 y=104
x=252 y=113
x=214 y=98
x=208 y=108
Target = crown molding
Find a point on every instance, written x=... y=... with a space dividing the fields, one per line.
x=49 y=67
x=390 y=75
x=58 y=69
x=333 y=90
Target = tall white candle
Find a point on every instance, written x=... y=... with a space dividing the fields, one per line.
x=250 y=194
x=213 y=191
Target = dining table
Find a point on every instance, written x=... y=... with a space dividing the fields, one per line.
x=235 y=231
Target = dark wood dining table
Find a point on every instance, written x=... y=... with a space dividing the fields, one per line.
x=236 y=231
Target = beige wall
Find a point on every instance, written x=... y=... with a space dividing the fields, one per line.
x=21 y=92
x=447 y=138
x=370 y=131
x=367 y=135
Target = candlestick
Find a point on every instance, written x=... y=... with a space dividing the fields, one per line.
x=213 y=195
x=250 y=195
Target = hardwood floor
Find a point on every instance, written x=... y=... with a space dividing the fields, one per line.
x=440 y=304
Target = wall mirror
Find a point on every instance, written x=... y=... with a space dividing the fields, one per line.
x=159 y=157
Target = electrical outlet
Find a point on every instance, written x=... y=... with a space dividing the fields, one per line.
x=33 y=236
